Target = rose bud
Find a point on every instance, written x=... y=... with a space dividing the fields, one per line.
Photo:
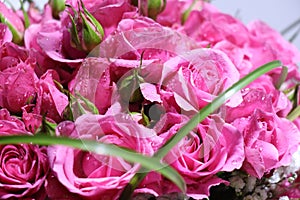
x=150 y=8
x=57 y=6
x=13 y=21
x=86 y=31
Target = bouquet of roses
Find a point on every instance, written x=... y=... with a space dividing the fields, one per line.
x=145 y=99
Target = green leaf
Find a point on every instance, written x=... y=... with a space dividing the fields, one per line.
x=150 y=163
x=201 y=115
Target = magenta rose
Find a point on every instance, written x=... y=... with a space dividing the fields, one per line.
x=269 y=140
x=50 y=101
x=96 y=176
x=18 y=87
x=23 y=167
x=212 y=147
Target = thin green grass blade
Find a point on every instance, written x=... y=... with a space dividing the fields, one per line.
x=294 y=114
x=149 y=163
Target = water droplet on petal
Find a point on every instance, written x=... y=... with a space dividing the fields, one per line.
x=234 y=162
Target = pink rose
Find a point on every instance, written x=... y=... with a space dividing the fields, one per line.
x=195 y=78
x=238 y=55
x=45 y=43
x=209 y=26
x=18 y=87
x=212 y=147
x=267 y=45
x=269 y=141
x=93 y=176
x=50 y=101
x=11 y=55
x=23 y=167
x=104 y=76
x=260 y=94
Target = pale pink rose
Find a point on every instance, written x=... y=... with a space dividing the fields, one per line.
x=269 y=141
x=5 y=34
x=23 y=167
x=212 y=147
x=195 y=78
x=97 y=176
x=267 y=45
x=238 y=55
x=209 y=26
x=18 y=87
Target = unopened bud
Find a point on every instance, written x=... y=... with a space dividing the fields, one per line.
x=150 y=8
x=57 y=7
x=86 y=31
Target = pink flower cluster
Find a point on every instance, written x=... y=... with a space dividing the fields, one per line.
x=147 y=70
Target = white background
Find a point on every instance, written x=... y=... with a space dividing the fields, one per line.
x=277 y=13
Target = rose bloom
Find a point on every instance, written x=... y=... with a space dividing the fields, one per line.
x=209 y=26
x=212 y=147
x=267 y=45
x=23 y=167
x=94 y=176
x=261 y=94
x=18 y=87
x=269 y=140
x=196 y=77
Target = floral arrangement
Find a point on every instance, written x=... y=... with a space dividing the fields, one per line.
x=145 y=99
